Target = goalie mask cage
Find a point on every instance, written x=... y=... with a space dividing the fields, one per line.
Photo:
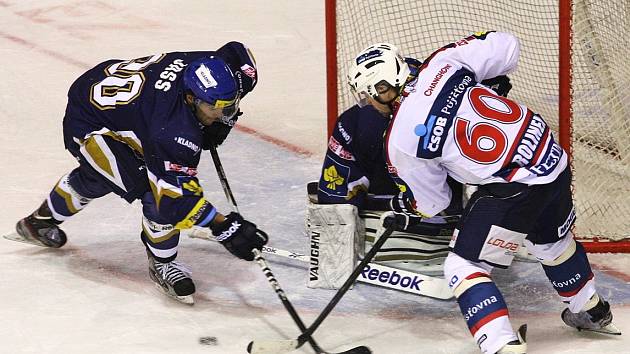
x=574 y=70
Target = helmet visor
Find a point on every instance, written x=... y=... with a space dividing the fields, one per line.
x=228 y=110
x=221 y=110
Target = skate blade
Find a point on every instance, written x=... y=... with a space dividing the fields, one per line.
x=14 y=236
x=188 y=299
x=610 y=329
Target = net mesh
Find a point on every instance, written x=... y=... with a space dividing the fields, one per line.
x=600 y=68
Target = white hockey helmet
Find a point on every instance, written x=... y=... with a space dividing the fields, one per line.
x=380 y=62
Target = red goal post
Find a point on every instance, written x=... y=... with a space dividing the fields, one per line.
x=574 y=70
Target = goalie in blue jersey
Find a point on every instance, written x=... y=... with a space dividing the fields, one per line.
x=137 y=128
x=355 y=172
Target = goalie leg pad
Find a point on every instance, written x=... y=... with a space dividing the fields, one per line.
x=567 y=267
x=480 y=302
x=336 y=243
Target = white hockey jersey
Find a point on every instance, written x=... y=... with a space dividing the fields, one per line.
x=448 y=124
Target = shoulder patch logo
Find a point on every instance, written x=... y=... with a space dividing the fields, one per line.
x=193 y=188
x=170 y=166
x=249 y=71
x=333 y=178
x=338 y=149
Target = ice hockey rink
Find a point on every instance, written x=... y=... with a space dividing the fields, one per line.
x=94 y=295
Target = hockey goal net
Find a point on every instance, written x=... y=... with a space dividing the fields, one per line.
x=574 y=70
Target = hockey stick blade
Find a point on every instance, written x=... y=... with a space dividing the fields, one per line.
x=358 y=350
x=272 y=346
x=286 y=346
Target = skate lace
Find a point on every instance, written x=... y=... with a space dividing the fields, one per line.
x=173 y=271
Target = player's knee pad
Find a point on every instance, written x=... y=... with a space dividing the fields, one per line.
x=480 y=302
x=463 y=274
x=552 y=252
x=567 y=267
x=65 y=199
x=337 y=240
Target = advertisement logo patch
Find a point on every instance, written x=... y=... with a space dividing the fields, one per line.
x=169 y=166
x=392 y=278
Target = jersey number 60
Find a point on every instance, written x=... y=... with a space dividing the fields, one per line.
x=485 y=142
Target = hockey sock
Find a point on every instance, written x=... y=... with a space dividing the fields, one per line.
x=486 y=314
x=480 y=302
x=161 y=240
x=64 y=201
x=570 y=274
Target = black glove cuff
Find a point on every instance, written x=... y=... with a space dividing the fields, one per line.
x=230 y=226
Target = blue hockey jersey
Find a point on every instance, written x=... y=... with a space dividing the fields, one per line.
x=355 y=162
x=141 y=102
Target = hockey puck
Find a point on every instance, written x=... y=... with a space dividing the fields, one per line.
x=208 y=341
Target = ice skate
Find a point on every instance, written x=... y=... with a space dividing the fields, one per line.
x=172 y=278
x=516 y=346
x=40 y=229
x=598 y=319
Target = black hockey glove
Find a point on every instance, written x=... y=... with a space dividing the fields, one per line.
x=500 y=84
x=239 y=236
x=404 y=211
x=400 y=221
x=215 y=133
x=401 y=204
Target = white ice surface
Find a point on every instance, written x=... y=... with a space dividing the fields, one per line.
x=94 y=295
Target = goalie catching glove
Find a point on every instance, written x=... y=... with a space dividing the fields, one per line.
x=239 y=236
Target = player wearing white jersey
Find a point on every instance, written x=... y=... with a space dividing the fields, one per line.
x=447 y=124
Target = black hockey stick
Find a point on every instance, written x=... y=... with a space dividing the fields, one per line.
x=282 y=346
x=222 y=177
x=262 y=262
x=278 y=347
x=258 y=257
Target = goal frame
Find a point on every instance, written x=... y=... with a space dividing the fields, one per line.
x=565 y=111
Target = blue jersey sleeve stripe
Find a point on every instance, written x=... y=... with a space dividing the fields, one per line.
x=208 y=218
